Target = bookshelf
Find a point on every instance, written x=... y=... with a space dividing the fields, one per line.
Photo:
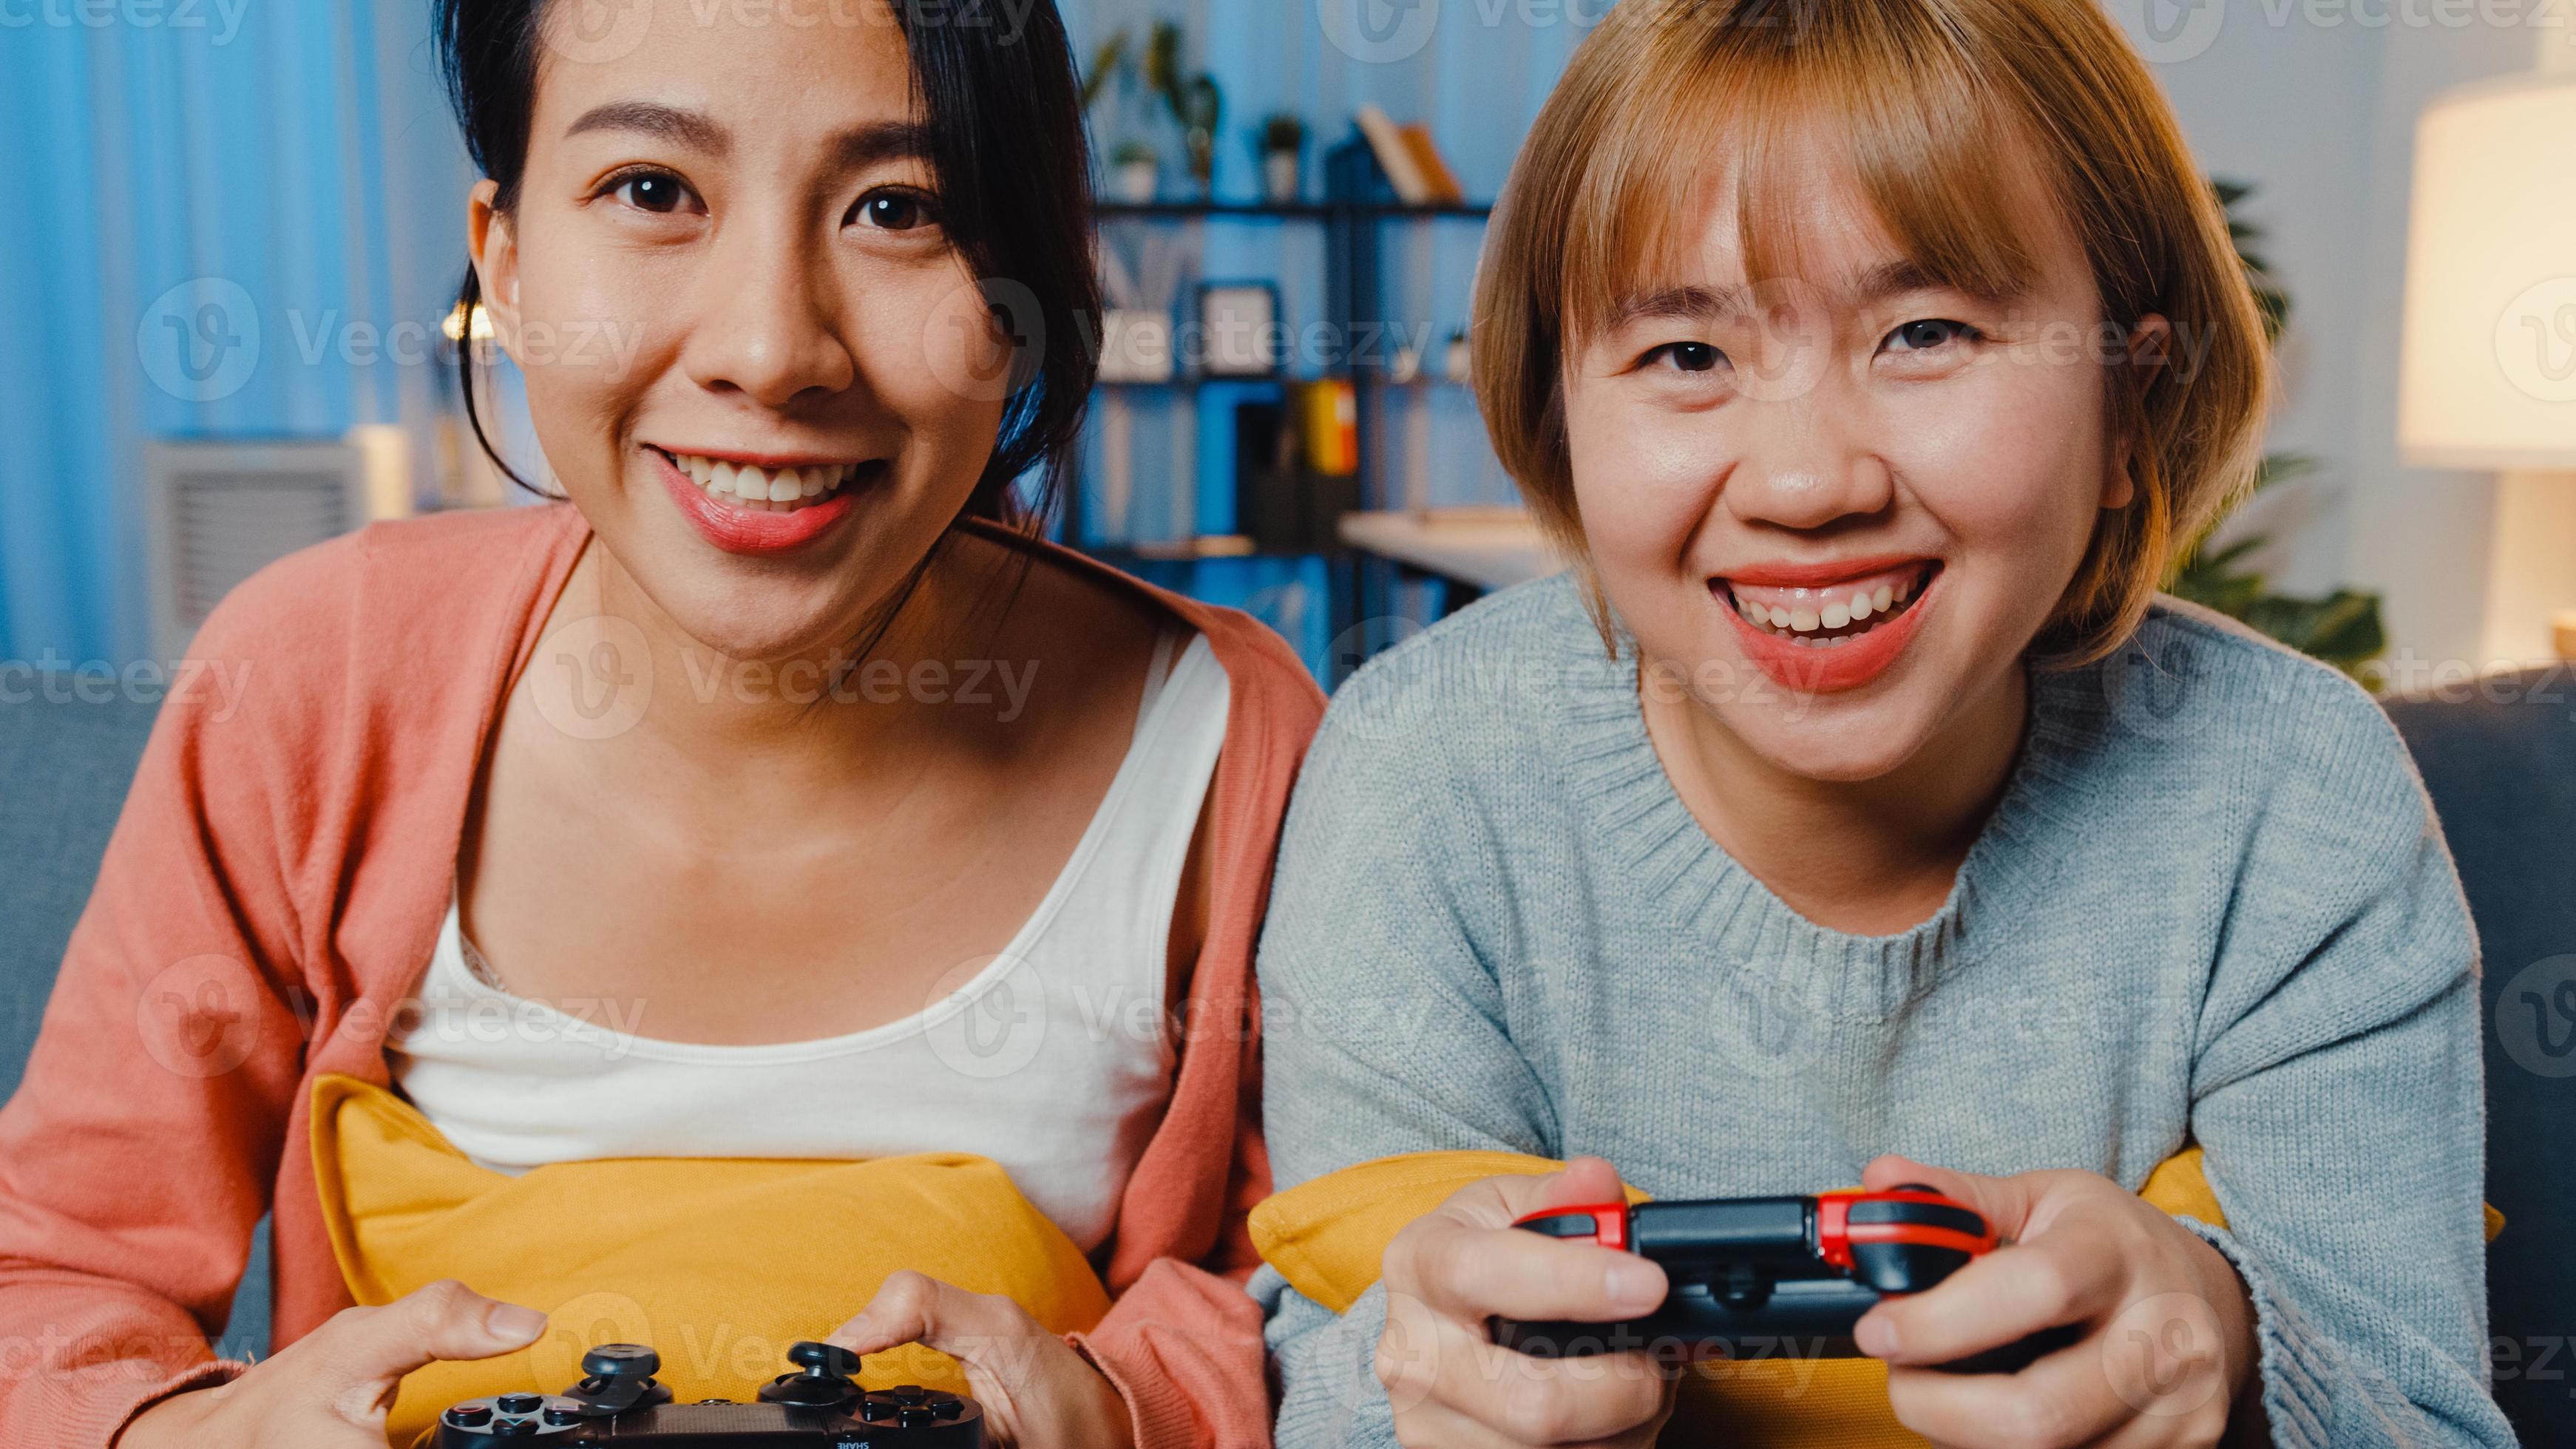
x=1358 y=212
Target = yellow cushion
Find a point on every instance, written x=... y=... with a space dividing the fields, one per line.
x=720 y=1264
x=1326 y=1237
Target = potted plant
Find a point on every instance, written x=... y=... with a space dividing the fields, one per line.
x=2342 y=628
x=1196 y=104
x=1133 y=170
x=1283 y=146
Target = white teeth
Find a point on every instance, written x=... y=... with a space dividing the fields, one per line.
x=752 y=483
x=1806 y=623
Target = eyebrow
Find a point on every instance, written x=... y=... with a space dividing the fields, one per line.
x=872 y=142
x=856 y=148
x=1694 y=303
x=694 y=129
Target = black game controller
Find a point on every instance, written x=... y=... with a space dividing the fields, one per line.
x=620 y=1400
x=1773 y=1277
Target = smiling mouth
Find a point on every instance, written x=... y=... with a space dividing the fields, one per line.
x=1828 y=616
x=757 y=489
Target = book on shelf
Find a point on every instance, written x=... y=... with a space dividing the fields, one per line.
x=1329 y=416
x=1394 y=156
x=1411 y=160
x=1440 y=184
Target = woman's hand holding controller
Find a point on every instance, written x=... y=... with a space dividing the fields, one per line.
x=1463 y=1264
x=331 y=1388
x=2168 y=1354
x=1037 y=1391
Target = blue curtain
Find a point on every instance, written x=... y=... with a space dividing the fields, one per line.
x=205 y=201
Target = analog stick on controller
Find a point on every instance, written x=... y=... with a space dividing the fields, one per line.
x=830 y=1377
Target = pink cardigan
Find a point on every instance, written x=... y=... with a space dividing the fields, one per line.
x=274 y=887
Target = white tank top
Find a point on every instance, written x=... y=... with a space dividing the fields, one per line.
x=1053 y=1058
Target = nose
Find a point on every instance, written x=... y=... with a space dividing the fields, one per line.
x=1810 y=461
x=765 y=328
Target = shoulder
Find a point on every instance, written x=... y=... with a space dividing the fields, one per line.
x=1474 y=714
x=381 y=623
x=1492 y=671
x=2216 y=694
x=2209 y=737
x=1269 y=687
x=452 y=566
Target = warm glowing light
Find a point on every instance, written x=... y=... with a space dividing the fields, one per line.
x=454 y=326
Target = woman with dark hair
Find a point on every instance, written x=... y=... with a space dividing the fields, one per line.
x=779 y=795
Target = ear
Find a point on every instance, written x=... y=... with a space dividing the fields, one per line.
x=495 y=246
x=2147 y=343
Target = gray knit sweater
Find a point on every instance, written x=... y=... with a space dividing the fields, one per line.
x=2212 y=904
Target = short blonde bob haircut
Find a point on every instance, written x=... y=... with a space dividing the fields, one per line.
x=1924 y=96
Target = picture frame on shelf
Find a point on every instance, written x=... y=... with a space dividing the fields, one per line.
x=1240 y=329
x=1135 y=345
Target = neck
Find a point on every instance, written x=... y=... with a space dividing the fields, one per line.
x=1872 y=856
x=809 y=720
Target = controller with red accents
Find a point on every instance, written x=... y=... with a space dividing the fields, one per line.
x=1773 y=1277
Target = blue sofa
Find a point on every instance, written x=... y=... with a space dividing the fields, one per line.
x=64 y=766
x=2500 y=762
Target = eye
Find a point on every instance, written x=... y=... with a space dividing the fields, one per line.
x=1686 y=356
x=657 y=192
x=894 y=209
x=1927 y=333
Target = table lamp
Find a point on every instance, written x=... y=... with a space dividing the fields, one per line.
x=2488 y=372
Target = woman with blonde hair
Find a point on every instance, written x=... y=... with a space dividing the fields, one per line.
x=1855 y=810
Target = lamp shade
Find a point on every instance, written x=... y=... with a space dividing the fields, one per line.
x=2488 y=378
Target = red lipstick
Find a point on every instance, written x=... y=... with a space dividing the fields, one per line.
x=747 y=530
x=1830 y=668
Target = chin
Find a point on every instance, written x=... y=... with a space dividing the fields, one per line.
x=788 y=634
x=1833 y=745
x=776 y=617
